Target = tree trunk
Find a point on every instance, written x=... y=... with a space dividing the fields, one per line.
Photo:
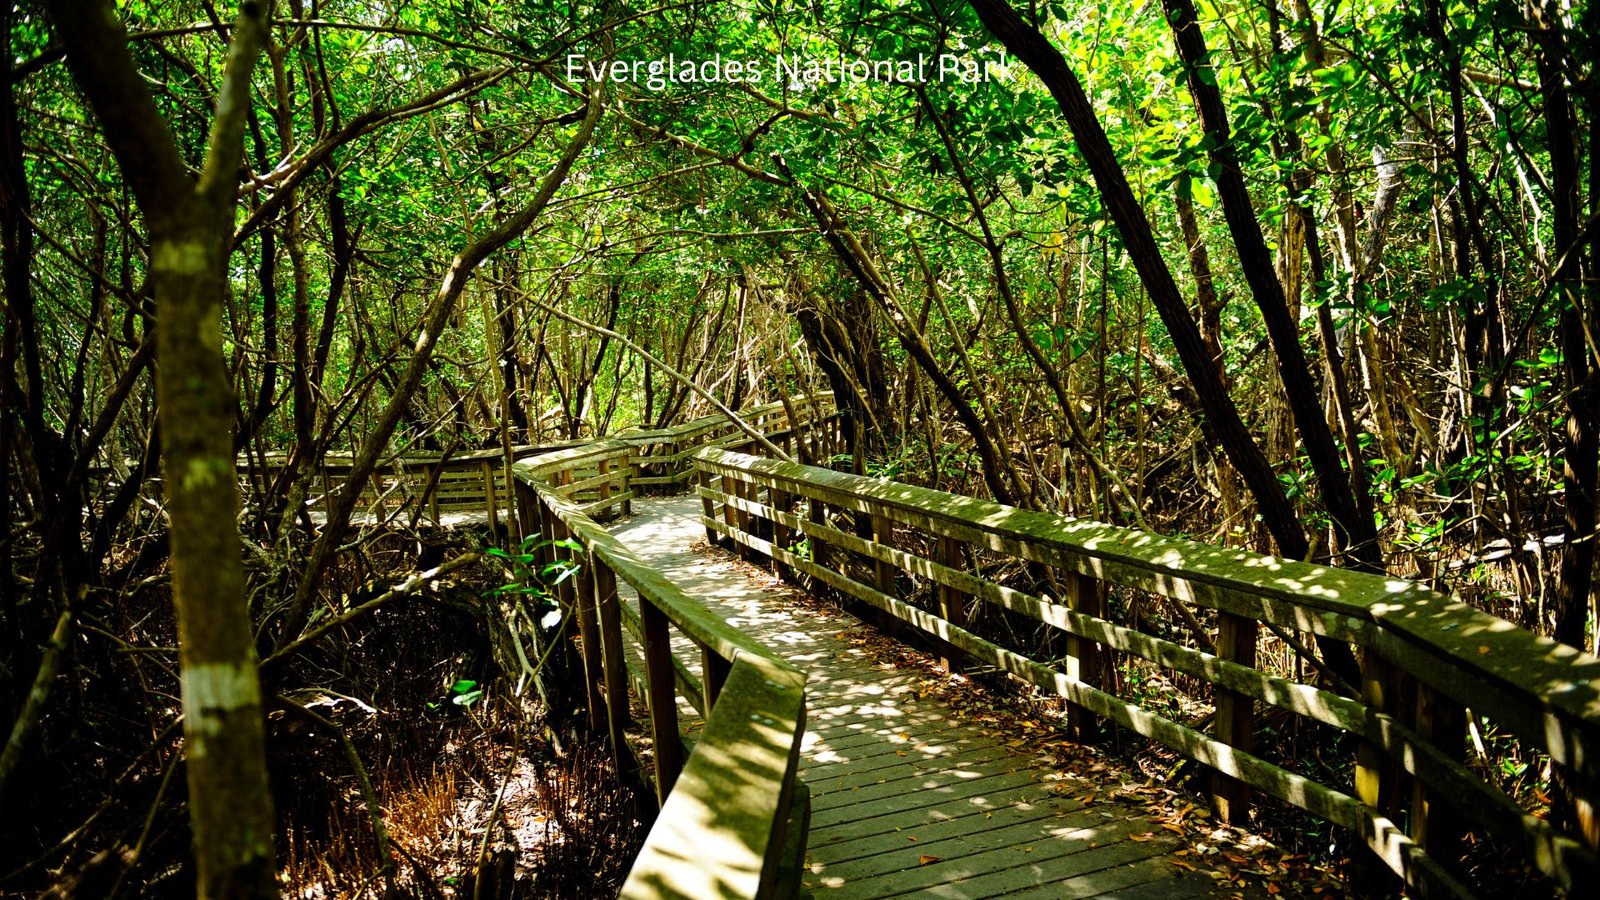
x=191 y=230
x=854 y=257
x=1358 y=532
x=1040 y=56
x=1577 y=317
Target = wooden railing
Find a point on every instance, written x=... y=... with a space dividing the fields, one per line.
x=1425 y=659
x=800 y=426
x=433 y=486
x=733 y=815
x=436 y=486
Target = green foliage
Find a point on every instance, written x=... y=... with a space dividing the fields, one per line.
x=465 y=692
x=529 y=578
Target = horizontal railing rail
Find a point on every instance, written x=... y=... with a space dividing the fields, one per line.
x=439 y=485
x=1424 y=658
x=664 y=456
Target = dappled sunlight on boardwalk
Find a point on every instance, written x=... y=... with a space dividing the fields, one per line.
x=908 y=796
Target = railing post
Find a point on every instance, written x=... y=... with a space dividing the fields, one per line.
x=609 y=614
x=1082 y=594
x=819 y=547
x=490 y=507
x=564 y=591
x=745 y=491
x=1235 y=715
x=707 y=505
x=681 y=455
x=1376 y=774
x=435 y=472
x=662 y=697
x=1435 y=825
x=803 y=442
x=880 y=530
x=782 y=503
x=730 y=516
x=713 y=673
x=588 y=631
x=547 y=530
x=528 y=507
x=627 y=482
x=561 y=656
x=883 y=533
x=603 y=467
x=371 y=490
x=952 y=603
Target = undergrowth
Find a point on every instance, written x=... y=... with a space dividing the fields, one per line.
x=488 y=799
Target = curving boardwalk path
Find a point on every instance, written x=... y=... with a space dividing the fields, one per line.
x=907 y=797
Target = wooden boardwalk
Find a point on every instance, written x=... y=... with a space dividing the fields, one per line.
x=907 y=796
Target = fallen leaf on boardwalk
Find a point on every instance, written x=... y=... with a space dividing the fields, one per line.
x=911 y=837
x=1141 y=838
x=1273 y=889
x=924 y=859
x=1175 y=829
x=1183 y=865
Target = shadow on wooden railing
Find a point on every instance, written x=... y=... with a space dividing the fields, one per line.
x=1425 y=659
x=733 y=817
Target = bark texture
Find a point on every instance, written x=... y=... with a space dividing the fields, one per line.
x=190 y=224
x=1039 y=55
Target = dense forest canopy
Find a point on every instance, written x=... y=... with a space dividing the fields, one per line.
x=1312 y=277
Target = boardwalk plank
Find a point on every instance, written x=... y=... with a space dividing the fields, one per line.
x=896 y=763
x=1001 y=870
x=903 y=851
x=1020 y=801
x=908 y=777
x=851 y=805
x=840 y=847
x=1100 y=871
x=1150 y=879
